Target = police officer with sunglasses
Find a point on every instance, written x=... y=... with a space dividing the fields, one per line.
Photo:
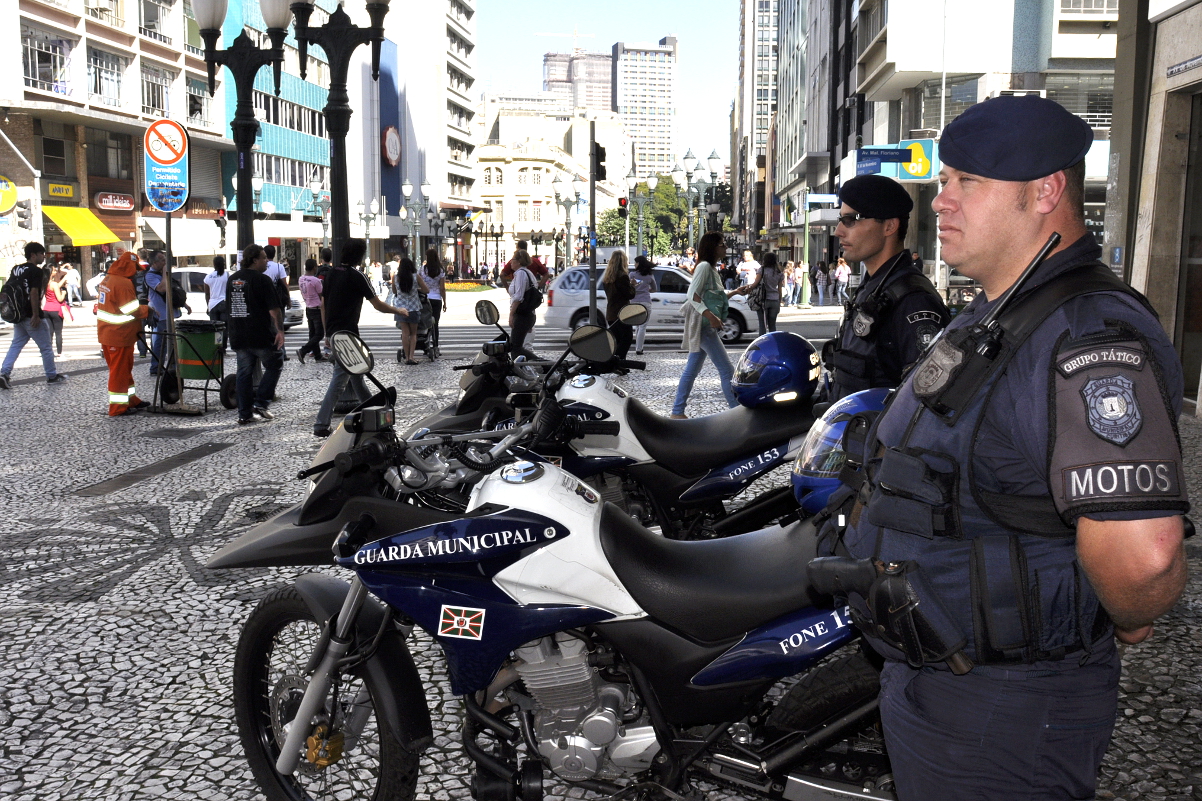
x=896 y=312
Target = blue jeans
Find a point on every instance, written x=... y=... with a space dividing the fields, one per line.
x=22 y=333
x=157 y=338
x=821 y=296
x=711 y=345
x=250 y=397
x=338 y=383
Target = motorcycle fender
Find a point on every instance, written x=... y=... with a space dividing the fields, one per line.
x=397 y=688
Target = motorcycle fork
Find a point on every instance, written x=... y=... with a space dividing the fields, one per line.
x=314 y=699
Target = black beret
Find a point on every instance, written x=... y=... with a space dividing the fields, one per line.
x=877 y=197
x=1015 y=138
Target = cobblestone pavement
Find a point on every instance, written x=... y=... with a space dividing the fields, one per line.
x=118 y=645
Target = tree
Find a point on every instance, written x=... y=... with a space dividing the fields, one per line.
x=611 y=229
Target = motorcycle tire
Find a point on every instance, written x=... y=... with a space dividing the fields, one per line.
x=829 y=691
x=273 y=650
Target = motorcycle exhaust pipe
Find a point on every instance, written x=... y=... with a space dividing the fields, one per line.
x=765 y=508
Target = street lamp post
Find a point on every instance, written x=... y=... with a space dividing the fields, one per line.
x=567 y=202
x=368 y=215
x=640 y=200
x=416 y=208
x=244 y=61
x=322 y=203
x=339 y=38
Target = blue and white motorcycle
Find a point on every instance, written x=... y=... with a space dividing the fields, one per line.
x=586 y=650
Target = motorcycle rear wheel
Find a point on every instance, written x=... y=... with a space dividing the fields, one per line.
x=276 y=644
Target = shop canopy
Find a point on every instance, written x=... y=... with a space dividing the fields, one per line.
x=81 y=225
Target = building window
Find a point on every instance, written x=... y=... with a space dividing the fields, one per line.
x=192 y=41
x=156 y=18
x=104 y=77
x=488 y=176
x=108 y=11
x=198 y=102
x=500 y=178
x=156 y=86
x=1088 y=95
x=54 y=156
x=288 y=172
x=1110 y=7
x=523 y=175
x=536 y=176
x=523 y=211
x=286 y=114
x=961 y=93
x=109 y=154
x=538 y=213
x=499 y=210
x=45 y=57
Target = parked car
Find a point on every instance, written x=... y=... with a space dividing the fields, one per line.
x=294 y=315
x=567 y=303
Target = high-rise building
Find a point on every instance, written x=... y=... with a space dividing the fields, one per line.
x=644 y=96
x=755 y=105
x=580 y=78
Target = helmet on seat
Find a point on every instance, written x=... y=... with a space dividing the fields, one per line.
x=820 y=460
x=778 y=367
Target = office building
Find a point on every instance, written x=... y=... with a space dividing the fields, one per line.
x=644 y=97
x=580 y=78
x=755 y=103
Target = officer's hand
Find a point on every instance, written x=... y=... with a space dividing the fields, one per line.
x=1133 y=637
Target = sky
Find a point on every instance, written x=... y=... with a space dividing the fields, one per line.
x=509 y=52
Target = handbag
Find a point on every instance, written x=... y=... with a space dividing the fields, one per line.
x=755 y=300
x=714 y=297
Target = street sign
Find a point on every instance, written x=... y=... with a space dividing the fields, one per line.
x=165 y=146
x=814 y=197
x=884 y=154
x=8 y=195
x=867 y=166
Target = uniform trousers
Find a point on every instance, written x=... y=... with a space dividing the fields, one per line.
x=122 y=392
x=996 y=733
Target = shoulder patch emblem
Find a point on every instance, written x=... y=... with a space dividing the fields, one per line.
x=1112 y=408
x=1097 y=357
x=921 y=316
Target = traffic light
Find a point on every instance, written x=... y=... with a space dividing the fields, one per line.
x=25 y=214
x=598 y=162
x=221 y=221
x=622 y=206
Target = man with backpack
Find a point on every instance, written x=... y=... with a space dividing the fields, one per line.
x=524 y=299
x=22 y=302
x=156 y=288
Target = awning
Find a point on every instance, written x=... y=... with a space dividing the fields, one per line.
x=189 y=237
x=81 y=225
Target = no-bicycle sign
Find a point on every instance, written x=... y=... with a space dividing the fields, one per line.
x=165 y=146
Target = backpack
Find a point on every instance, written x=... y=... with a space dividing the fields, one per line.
x=14 y=296
x=533 y=297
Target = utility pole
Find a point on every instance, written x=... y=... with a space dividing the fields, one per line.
x=595 y=166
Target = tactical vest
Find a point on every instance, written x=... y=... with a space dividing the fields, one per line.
x=1003 y=568
x=854 y=362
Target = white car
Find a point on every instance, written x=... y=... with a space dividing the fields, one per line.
x=567 y=303
x=195 y=277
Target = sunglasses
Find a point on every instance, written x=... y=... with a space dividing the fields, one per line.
x=850 y=220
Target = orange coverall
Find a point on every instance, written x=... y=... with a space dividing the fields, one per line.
x=119 y=316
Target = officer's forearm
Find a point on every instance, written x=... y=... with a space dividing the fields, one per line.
x=1137 y=567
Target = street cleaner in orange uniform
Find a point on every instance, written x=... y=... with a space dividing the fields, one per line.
x=119 y=318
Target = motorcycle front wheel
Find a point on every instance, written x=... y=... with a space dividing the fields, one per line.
x=269 y=682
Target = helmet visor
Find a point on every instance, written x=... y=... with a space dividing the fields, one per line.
x=748 y=370
x=821 y=454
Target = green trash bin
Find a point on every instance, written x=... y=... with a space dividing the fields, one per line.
x=200 y=349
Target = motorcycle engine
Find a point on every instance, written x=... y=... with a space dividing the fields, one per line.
x=582 y=722
x=626 y=495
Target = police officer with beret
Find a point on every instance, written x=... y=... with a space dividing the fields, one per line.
x=896 y=312
x=1022 y=497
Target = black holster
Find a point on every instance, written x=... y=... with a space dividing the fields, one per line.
x=903 y=610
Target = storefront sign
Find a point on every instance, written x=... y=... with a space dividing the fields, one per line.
x=60 y=190
x=8 y=195
x=114 y=201
x=1184 y=66
x=391 y=145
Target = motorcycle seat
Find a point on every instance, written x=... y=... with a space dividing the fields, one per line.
x=700 y=444
x=711 y=590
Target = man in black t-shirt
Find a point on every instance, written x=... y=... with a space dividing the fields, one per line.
x=256 y=334
x=345 y=290
x=31 y=277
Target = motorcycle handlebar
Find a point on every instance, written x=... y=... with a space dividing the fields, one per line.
x=370 y=453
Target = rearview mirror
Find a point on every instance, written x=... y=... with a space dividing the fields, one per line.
x=633 y=314
x=352 y=353
x=486 y=312
x=592 y=343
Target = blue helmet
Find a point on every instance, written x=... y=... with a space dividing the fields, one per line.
x=776 y=368
x=818 y=463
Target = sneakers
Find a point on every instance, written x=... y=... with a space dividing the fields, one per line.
x=59 y=378
x=5 y=382
x=262 y=413
x=321 y=432
x=245 y=421
x=300 y=355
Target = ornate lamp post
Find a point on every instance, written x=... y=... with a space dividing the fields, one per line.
x=639 y=199
x=322 y=203
x=244 y=60
x=368 y=215
x=567 y=202
x=416 y=210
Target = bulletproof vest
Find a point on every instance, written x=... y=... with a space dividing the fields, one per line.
x=854 y=361
x=1002 y=567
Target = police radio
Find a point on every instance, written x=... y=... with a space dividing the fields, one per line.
x=948 y=377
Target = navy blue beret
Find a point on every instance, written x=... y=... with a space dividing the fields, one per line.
x=1015 y=138
x=877 y=197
